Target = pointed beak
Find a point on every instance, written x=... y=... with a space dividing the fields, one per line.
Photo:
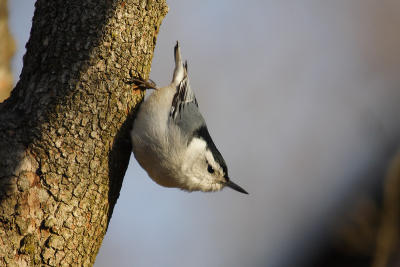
x=235 y=187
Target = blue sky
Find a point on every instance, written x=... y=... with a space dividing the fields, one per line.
x=301 y=97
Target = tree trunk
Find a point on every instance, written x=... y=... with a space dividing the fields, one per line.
x=7 y=49
x=64 y=132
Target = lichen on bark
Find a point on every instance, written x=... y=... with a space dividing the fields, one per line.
x=64 y=145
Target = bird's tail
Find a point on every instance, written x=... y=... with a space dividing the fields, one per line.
x=179 y=72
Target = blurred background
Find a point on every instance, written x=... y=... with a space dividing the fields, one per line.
x=302 y=99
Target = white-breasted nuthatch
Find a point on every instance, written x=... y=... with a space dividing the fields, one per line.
x=171 y=141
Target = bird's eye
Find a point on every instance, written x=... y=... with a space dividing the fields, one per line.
x=210 y=169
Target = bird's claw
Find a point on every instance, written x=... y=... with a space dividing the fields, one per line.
x=142 y=84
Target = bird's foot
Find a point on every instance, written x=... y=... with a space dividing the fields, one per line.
x=142 y=84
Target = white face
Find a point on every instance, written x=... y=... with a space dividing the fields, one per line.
x=201 y=170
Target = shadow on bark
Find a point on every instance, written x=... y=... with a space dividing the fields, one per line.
x=64 y=38
x=50 y=75
x=119 y=158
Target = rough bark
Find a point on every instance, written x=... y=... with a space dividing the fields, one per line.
x=7 y=49
x=64 y=132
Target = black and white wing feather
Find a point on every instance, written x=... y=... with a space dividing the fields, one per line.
x=185 y=110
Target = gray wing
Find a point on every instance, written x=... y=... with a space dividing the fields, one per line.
x=186 y=115
x=185 y=110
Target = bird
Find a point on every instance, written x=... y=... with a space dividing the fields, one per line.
x=170 y=138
